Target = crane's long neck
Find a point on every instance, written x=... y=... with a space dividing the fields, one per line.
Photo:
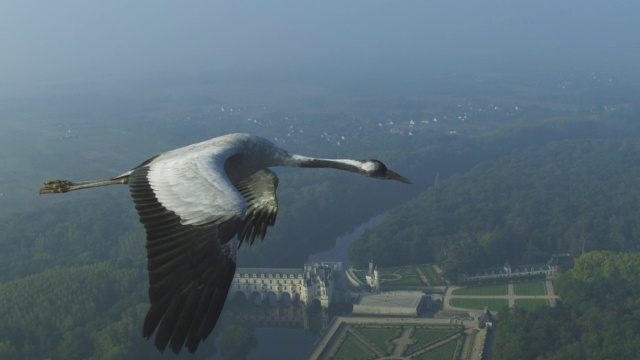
x=340 y=164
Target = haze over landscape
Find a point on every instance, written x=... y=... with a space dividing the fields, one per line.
x=75 y=41
x=517 y=123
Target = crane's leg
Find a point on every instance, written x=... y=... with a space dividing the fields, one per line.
x=62 y=186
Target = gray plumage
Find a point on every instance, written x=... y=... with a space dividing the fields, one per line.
x=198 y=204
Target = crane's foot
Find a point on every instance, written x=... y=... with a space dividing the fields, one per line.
x=55 y=186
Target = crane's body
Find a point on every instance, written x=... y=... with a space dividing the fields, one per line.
x=198 y=204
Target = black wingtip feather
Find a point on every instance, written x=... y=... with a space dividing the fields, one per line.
x=193 y=340
x=185 y=321
x=154 y=315
x=190 y=270
x=168 y=323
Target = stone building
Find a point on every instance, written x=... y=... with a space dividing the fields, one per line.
x=315 y=282
x=507 y=272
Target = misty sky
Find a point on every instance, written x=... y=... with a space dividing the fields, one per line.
x=75 y=40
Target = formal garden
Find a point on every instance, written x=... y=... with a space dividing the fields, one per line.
x=380 y=341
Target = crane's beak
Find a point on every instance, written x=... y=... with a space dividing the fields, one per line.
x=394 y=176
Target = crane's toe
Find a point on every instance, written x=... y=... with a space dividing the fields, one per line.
x=55 y=186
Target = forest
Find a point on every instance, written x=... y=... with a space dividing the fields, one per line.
x=489 y=184
x=597 y=318
x=564 y=196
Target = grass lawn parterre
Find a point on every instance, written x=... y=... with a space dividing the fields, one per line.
x=531 y=304
x=363 y=341
x=426 y=335
x=482 y=290
x=404 y=276
x=351 y=348
x=444 y=352
x=379 y=337
x=479 y=304
x=530 y=288
x=432 y=275
x=408 y=276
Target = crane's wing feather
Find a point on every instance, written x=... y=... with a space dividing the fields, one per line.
x=190 y=213
x=259 y=190
x=194 y=185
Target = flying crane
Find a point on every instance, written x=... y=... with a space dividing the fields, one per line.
x=198 y=204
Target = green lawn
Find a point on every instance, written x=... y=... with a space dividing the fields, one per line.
x=424 y=336
x=361 y=341
x=404 y=271
x=530 y=288
x=404 y=281
x=407 y=271
x=352 y=349
x=431 y=275
x=379 y=337
x=409 y=276
x=479 y=304
x=531 y=304
x=444 y=352
x=482 y=290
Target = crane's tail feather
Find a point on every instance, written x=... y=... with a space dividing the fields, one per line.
x=62 y=186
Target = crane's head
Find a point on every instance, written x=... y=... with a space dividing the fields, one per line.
x=376 y=169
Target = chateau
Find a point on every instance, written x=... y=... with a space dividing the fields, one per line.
x=315 y=282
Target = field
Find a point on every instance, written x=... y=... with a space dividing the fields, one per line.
x=490 y=290
x=479 y=304
x=530 y=288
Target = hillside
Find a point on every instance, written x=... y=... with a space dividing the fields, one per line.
x=559 y=197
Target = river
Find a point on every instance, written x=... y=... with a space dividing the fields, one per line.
x=295 y=342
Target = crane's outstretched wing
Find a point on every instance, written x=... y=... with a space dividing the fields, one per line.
x=259 y=190
x=190 y=213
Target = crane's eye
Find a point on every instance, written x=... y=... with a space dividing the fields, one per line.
x=376 y=168
x=379 y=166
